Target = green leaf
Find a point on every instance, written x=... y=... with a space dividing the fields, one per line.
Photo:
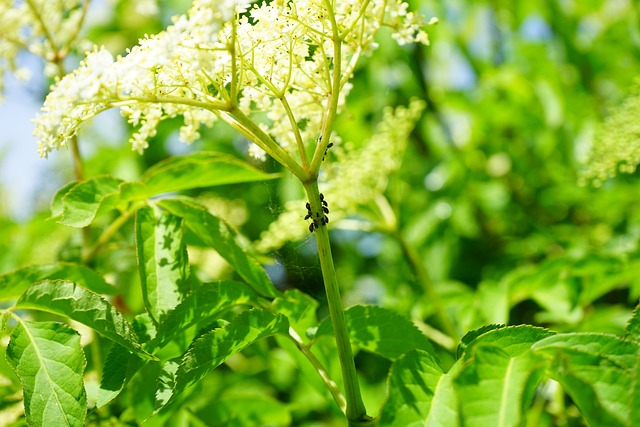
x=216 y=346
x=472 y=335
x=599 y=372
x=221 y=237
x=202 y=305
x=71 y=300
x=514 y=340
x=162 y=261
x=632 y=331
x=496 y=388
x=380 y=331
x=251 y=408
x=56 y=202
x=88 y=199
x=299 y=308
x=48 y=359
x=119 y=367
x=203 y=169
x=420 y=394
x=13 y=284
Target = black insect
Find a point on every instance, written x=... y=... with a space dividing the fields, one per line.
x=319 y=219
x=326 y=150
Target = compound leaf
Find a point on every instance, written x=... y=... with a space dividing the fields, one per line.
x=496 y=388
x=48 y=359
x=162 y=260
x=218 y=235
x=420 y=394
x=71 y=300
x=632 y=330
x=600 y=373
x=380 y=331
x=13 y=284
x=83 y=202
x=199 y=307
x=216 y=346
x=203 y=169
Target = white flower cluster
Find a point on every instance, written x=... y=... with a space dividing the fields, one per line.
x=367 y=170
x=46 y=28
x=270 y=62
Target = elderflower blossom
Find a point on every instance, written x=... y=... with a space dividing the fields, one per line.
x=617 y=144
x=269 y=62
x=43 y=27
x=367 y=171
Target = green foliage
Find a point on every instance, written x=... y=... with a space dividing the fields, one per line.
x=495 y=380
x=14 y=283
x=69 y=299
x=380 y=331
x=48 y=359
x=475 y=219
x=163 y=261
x=216 y=234
x=214 y=347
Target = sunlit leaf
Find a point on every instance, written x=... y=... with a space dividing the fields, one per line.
x=56 y=205
x=48 y=359
x=119 y=366
x=73 y=301
x=633 y=326
x=162 y=261
x=216 y=346
x=198 y=170
x=420 y=394
x=299 y=308
x=513 y=340
x=86 y=200
x=14 y=283
x=380 y=331
x=496 y=388
x=599 y=371
x=218 y=235
x=199 y=307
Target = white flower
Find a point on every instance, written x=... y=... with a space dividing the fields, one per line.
x=273 y=64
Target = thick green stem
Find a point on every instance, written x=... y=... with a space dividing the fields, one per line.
x=356 y=412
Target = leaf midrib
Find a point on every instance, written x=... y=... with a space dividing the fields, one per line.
x=44 y=368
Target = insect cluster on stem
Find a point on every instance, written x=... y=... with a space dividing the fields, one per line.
x=318 y=219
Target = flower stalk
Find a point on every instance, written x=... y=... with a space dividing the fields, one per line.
x=356 y=412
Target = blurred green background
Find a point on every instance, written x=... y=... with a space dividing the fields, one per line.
x=489 y=193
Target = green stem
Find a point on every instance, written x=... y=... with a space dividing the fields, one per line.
x=331 y=385
x=356 y=412
x=109 y=232
x=429 y=287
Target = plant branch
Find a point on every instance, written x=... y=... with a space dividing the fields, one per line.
x=109 y=232
x=331 y=385
x=252 y=131
x=355 y=411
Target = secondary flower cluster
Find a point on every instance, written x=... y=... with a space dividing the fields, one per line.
x=616 y=146
x=43 y=27
x=367 y=170
x=271 y=62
